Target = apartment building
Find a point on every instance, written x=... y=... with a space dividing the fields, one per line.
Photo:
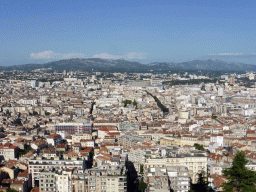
x=54 y=139
x=38 y=164
x=79 y=181
x=194 y=164
x=8 y=151
x=179 y=178
x=47 y=181
x=103 y=179
x=78 y=137
x=106 y=179
x=137 y=154
x=63 y=182
x=127 y=141
x=74 y=128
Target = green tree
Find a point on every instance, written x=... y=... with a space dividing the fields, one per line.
x=201 y=185
x=11 y=190
x=47 y=113
x=142 y=185
x=141 y=169
x=240 y=179
x=199 y=147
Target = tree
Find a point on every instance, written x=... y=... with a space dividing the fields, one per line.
x=199 y=147
x=47 y=113
x=11 y=190
x=240 y=179
x=141 y=169
x=126 y=102
x=142 y=185
x=201 y=185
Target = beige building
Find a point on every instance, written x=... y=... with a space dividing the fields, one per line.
x=9 y=151
x=63 y=182
x=182 y=141
x=47 y=181
x=194 y=164
x=107 y=183
x=78 y=138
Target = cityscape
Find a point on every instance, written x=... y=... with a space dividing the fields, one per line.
x=101 y=131
x=127 y=96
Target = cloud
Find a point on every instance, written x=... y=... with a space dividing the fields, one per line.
x=107 y=56
x=244 y=55
x=228 y=54
x=135 y=55
x=128 y=56
x=48 y=55
x=53 y=55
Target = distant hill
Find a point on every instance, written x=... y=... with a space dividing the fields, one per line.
x=121 y=65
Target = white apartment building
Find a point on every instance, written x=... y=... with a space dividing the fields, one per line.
x=78 y=137
x=194 y=164
x=38 y=164
x=8 y=151
x=28 y=101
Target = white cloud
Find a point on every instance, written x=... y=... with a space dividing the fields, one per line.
x=135 y=55
x=128 y=56
x=107 y=56
x=244 y=55
x=53 y=55
x=228 y=54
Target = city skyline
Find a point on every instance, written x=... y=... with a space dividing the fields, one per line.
x=145 y=31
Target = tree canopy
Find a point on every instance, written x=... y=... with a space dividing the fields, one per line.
x=142 y=185
x=199 y=147
x=201 y=185
x=240 y=179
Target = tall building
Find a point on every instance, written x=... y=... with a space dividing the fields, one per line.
x=8 y=151
x=47 y=181
x=43 y=99
x=34 y=83
x=107 y=179
x=232 y=80
x=50 y=180
x=37 y=165
x=220 y=91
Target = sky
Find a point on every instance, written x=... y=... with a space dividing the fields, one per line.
x=40 y=31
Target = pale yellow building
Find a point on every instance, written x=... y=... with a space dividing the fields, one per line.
x=194 y=164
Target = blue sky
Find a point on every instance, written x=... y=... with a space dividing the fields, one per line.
x=39 y=31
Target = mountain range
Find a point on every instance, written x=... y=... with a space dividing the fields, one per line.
x=97 y=64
